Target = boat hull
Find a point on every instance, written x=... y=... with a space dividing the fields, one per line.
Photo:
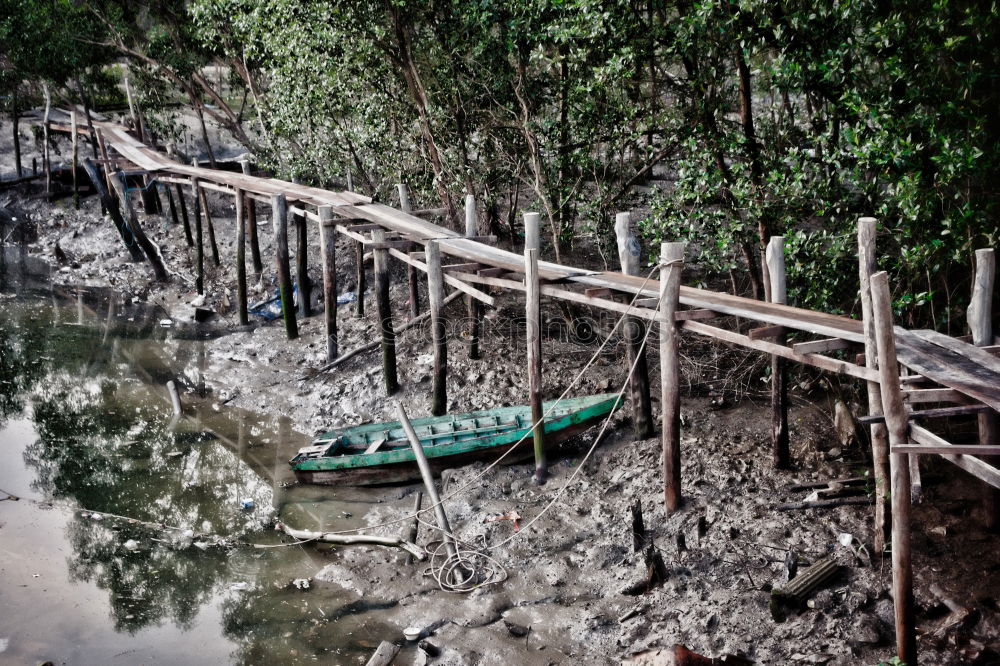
x=333 y=470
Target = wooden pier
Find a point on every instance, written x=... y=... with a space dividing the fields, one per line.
x=938 y=369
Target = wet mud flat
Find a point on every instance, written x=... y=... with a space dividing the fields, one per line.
x=572 y=576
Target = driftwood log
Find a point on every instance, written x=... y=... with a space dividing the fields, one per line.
x=354 y=539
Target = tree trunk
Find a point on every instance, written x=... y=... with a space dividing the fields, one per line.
x=404 y=60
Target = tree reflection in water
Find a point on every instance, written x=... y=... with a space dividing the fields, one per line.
x=105 y=444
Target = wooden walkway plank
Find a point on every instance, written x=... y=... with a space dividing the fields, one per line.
x=948 y=368
x=972 y=372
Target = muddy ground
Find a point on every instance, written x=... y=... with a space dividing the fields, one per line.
x=572 y=575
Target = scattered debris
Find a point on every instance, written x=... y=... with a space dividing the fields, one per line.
x=511 y=515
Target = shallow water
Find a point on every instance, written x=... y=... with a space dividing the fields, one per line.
x=128 y=541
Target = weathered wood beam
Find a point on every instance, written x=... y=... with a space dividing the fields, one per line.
x=820 y=346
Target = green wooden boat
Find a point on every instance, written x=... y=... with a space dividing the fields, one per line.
x=379 y=453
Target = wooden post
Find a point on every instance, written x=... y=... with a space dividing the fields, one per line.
x=359 y=259
x=532 y=292
x=172 y=205
x=199 y=240
x=200 y=195
x=46 y=158
x=867 y=227
x=435 y=295
x=106 y=161
x=774 y=258
x=980 y=317
x=381 y=257
x=241 y=258
x=279 y=211
x=251 y=204
x=899 y=469
x=328 y=248
x=671 y=266
x=635 y=333
x=108 y=201
x=412 y=279
x=302 y=267
x=475 y=310
x=76 y=159
x=149 y=249
x=532 y=234
x=184 y=214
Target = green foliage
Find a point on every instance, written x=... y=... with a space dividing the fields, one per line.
x=764 y=118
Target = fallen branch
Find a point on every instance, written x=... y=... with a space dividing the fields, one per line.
x=825 y=504
x=353 y=539
x=374 y=345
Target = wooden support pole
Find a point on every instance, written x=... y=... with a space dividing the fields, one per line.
x=251 y=204
x=151 y=251
x=199 y=239
x=76 y=159
x=671 y=266
x=199 y=192
x=980 y=318
x=328 y=248
x=475 y=310
x=359 y=260
x=425 y=474
x=899 y=469
x=46 y=158
x=279 y=211
x=533 y=319
x=435 y=296
x=381 y=261
x=108 y=201
x=635 y=333
x=867 y=227
x=774 y=257
x=184 y=214
x=412 y=277
x=302 y=266
x=532 y=231
x=241 y=257
x=172 y=205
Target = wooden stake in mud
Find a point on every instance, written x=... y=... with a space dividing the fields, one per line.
x=184 y=214
x=251 y=204
x=172 y=205
x=359 y=260
x=302 y=266
x=980 y=317
x=328 y=248
x=412 y=279
x=475 y=310
x=671 y=266
x=76 y=159
x=385 y=313
x=899 y=469
x=774 y=257
x=199 y=193
x=46 y=158
x=532 y=294
x=279 y=211
x=108 y=201
x=867 y=227
x=199 y=239
x=149 y=249
x=634 y=332
x=241 y=258
x=425 y=473
x=435 y=291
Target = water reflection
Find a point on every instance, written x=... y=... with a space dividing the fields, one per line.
x=91 y=387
